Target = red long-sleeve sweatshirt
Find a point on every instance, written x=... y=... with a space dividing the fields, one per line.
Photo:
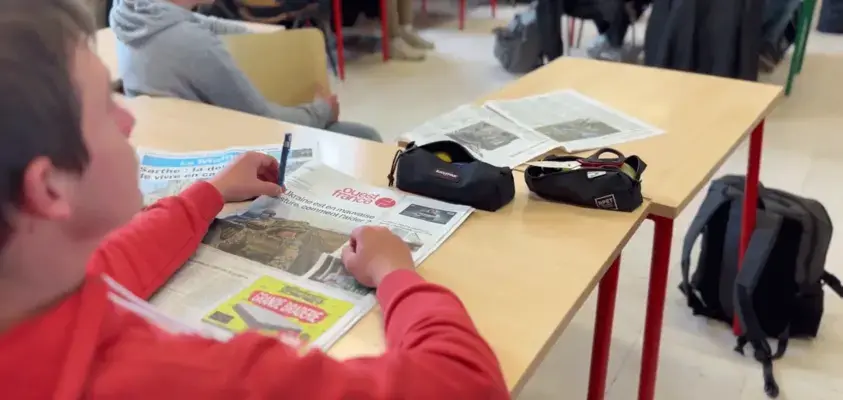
x=91 y=345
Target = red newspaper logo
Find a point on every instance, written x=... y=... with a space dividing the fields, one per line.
x=356 y=196
x=287 y=307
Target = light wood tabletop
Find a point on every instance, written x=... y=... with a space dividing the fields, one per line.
x=522 y=271
x=704 y=118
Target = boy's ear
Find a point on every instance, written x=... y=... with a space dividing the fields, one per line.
x=45 y=190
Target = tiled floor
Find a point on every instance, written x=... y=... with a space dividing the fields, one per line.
x=803 y=153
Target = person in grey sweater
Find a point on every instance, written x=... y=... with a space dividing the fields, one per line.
x=164 y=49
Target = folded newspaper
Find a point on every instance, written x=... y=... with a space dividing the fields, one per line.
x=487 y=135
x=573 y=121
x=276 y=266
x=165 y=174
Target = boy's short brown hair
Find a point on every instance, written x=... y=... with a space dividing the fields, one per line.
x=40 y=110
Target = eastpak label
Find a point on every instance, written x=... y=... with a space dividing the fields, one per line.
x=447 y=175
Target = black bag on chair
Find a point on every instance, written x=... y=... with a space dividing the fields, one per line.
x=596 y=182
x=777 y=291
x=462 y=180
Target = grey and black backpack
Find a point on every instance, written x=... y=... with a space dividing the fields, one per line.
x=518 y=45
x=777 y=292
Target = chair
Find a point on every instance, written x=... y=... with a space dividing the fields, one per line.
x=106 y=47
x=803 y=29
x=493 y=5
x=286 y=66
x=337 y=13
x=305 y=20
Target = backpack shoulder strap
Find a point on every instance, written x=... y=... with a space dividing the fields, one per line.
x=760 y=245
x=715 y=199
x=832 y=282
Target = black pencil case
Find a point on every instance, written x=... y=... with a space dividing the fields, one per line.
x=597 y=182
x=446 y=171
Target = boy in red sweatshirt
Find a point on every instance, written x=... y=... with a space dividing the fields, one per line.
x=77 y=260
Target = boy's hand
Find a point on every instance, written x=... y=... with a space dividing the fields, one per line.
x=251 y=175
x=373 y=253
x=324 y=94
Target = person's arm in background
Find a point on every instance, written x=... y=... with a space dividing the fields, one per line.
x=143 y=254
x=221 y=26
x=433 y=349
x=221 y=83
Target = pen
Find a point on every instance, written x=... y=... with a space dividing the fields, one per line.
x=285 y=152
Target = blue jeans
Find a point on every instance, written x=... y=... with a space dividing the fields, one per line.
x=354 y=129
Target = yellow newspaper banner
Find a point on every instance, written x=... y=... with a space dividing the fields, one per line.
x=277 y=308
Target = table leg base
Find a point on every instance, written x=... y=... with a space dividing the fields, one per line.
x=656 y=294
x=601 y=345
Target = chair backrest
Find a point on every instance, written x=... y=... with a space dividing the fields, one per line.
x=286 y=66
x=107 y=50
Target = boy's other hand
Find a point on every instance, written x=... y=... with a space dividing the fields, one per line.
x=251 y=175
x=373 y=253
x=324 y=94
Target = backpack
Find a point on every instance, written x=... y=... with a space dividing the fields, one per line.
x=518 y=45
x=778 y=290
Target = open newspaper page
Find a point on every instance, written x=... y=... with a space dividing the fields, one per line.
x=165 y=174
x=488 y=136
x=573 y=120
x=276 y=266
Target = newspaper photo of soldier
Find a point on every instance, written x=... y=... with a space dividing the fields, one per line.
x=482 y=136
x=331 y=271
x=428 y=214
x=289 y=245
x=581 y=128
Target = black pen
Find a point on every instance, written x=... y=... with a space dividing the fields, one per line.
x=285 y=152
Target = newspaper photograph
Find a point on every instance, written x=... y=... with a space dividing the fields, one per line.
x=164 y=174
x=573 y=121
x=276 y=267
x=487 y=136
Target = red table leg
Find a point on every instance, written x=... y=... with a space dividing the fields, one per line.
x=493 y=4
x=655 y=306
x=424 y=6
x=462 y=14
x=600 y=347
x=385 y=30
x=750 y=198
x=338 y=33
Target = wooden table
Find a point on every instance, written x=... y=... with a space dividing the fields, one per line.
x=704 y=117
x=522 y=271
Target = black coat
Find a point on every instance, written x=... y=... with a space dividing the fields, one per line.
x=716 y=37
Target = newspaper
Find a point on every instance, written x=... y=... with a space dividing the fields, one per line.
x=572 y=120
x=165 y=174
x=488 y=136
x=276 y=266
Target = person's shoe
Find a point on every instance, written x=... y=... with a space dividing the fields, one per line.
x=413 y=39
x=610 y=53
x=401 y=50
x=599 y=43
x=600 y=49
